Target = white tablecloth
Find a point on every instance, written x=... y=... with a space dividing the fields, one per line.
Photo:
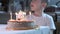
x=40 y=30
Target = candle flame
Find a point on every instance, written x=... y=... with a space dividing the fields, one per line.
x=16 y=13
x=29 y=13
x=24 y=13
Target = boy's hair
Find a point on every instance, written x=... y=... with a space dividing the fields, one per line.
x=45 y=1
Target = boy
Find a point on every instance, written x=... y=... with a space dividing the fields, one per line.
x=39 y=16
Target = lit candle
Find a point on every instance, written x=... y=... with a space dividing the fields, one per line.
x=16 y=15
x=11 y=15
x=24 y=14
x=29 y=13
x=20 y=12
x=30 y=16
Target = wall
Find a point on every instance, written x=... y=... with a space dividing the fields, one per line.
x=53 y=2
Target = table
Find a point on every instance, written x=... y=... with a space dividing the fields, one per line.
x=40 y=30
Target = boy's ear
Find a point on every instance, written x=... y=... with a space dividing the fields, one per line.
x=44 y=5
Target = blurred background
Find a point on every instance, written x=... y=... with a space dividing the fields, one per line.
x=53 y=9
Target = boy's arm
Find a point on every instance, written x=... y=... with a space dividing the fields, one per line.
x=51 y=24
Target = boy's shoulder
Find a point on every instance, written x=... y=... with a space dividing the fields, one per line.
x=47 y=16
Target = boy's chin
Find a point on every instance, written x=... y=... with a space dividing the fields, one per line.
x=32 y=9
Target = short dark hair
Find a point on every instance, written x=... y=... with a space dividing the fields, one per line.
x=45 y=1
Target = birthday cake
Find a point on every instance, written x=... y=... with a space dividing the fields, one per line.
x=20 y=25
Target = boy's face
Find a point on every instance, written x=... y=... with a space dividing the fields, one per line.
x=36 y=5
